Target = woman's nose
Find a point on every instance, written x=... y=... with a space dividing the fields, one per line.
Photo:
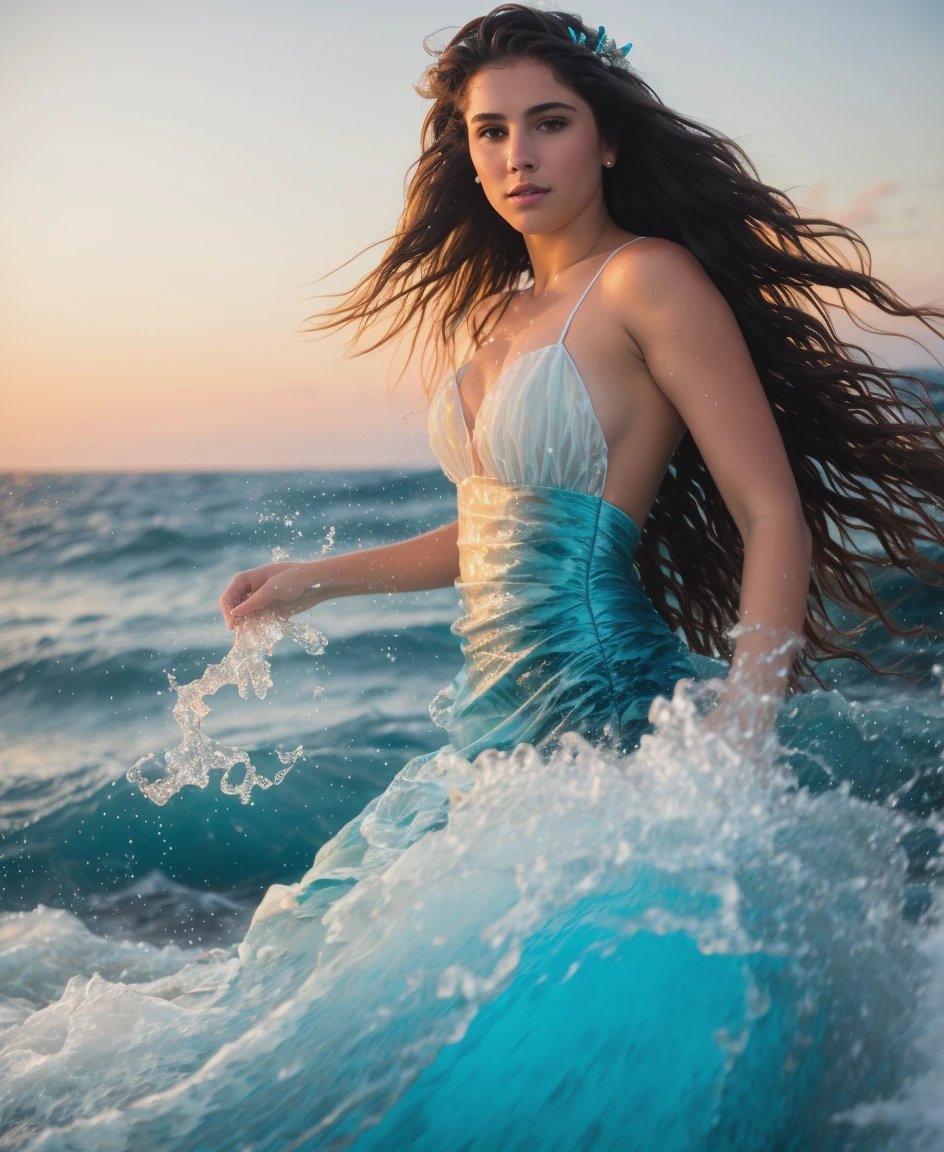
x=519 y=155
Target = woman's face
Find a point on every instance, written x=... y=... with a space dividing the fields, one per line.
x=526 y=127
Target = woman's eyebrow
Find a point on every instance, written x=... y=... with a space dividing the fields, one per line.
x=532 y=111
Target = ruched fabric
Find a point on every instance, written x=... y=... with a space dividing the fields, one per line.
x=535 y=426
x=557 y=633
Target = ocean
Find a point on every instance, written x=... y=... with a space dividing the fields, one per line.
x=110 y=585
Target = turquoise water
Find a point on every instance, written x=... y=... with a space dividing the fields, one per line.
x=594 y=951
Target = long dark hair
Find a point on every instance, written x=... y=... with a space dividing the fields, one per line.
x=864 y=454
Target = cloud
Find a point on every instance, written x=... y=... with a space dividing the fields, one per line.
x=863 y=210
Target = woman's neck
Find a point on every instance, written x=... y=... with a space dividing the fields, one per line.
x=552 y=254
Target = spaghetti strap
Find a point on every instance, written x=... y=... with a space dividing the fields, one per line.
x=592 y=282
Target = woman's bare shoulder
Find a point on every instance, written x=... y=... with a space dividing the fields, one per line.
x=653 y=257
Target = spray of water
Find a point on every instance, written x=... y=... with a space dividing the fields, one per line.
x=246 y=666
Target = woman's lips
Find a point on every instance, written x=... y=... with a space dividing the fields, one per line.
x=525 y=198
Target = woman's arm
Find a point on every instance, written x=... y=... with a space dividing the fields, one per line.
x=430 y=560
x=697 y=355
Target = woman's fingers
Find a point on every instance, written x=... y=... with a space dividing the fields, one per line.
x=252 y=603
x=250 y=591
x=237 y=588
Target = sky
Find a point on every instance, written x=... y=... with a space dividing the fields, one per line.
x=182 y=179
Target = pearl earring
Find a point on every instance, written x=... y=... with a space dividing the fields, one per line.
x=477 y=180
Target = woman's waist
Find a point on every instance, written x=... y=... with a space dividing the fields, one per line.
x=534 y=560
x=517 y=534
x=549 y=592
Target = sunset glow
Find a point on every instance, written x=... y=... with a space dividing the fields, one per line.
x=178 y=178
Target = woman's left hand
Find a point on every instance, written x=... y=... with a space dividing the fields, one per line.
x=744 y=719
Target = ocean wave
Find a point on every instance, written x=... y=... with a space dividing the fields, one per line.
x=482 y=935
x=338 y=1018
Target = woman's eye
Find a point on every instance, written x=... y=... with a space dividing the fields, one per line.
x=554 y=121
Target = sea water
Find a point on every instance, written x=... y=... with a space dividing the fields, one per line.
x=183 y=966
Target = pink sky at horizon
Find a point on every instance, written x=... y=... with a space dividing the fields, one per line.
x=180 y=176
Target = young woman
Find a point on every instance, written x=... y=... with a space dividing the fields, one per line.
x=551 y=933
x=658 y=431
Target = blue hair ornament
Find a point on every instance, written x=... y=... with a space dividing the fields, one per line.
x=602 y=46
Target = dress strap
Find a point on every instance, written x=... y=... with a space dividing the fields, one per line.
x=592 y=282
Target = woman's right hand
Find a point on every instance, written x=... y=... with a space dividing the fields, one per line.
x=286 y=586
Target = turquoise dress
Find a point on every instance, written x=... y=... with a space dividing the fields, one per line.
x=563 y=928
x=557 y=633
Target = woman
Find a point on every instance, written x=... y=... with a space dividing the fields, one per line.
x=532 y=939
x=660 y=384
x=658 y=432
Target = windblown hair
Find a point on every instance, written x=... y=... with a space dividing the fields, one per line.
x=865 y=455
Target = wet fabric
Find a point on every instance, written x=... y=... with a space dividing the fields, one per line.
x=557 y=633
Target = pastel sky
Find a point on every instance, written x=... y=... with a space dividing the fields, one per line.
x=178 y=175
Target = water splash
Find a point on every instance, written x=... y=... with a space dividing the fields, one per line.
x=673 y=894
x=246 y=666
